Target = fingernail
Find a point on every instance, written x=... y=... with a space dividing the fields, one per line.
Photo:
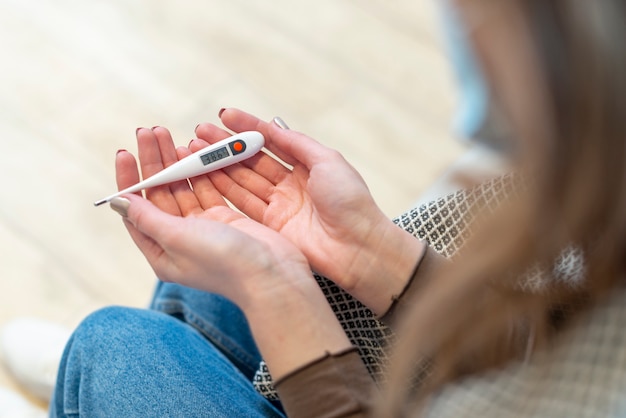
x=120 y=150
x=154 y=127
x=120 y=205
x=137 y=130
x=196 y=128
x=219 y=114
x=280 y=123
x=190 y=142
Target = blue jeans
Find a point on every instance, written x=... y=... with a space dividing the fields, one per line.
x=190 y=355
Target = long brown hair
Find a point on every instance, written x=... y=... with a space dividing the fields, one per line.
x=476 y=316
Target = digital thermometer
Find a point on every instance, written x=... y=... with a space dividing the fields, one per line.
x=214 y=157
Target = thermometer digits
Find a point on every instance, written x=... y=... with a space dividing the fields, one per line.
x=214 y=157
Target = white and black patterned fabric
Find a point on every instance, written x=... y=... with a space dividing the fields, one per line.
x=445 y=225
x=583 y=375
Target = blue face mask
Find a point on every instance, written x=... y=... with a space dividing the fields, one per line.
x=475 y=119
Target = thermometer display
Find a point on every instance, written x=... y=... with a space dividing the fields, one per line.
x=213 y=156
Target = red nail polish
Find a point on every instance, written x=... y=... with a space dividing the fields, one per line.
x=196 y=128
x=120 y=150
x=137 y=130
x=219 y=114
x=190 y=142
x=154 y=127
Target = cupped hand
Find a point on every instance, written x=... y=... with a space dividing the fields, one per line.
x=318 y=201
x=193 y=237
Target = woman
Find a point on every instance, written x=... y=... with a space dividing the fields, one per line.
x=474 y=338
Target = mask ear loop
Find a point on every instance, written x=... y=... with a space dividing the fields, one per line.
x=473 y=98
x=478 y=118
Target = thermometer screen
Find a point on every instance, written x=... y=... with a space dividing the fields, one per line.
x=213 y=156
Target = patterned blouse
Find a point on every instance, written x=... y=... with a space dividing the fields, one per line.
x=584 y=376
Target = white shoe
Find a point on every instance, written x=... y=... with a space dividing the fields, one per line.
x=13 y=405
x=32 y=349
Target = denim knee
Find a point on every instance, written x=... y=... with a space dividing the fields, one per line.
x=137 y=362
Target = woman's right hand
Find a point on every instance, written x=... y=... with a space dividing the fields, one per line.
x=322 y=205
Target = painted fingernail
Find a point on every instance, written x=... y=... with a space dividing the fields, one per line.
x=137 y=130
x=280 y=123
x=120 y=150
x=196 y=128
x=219 y=114
x=154 y=127
x=190 y=142
x=120 y=205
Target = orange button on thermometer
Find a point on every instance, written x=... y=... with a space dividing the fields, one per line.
x=237 y=147
x=214 y=157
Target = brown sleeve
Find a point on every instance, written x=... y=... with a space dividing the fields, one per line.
x=336 y=385
x=427 y=268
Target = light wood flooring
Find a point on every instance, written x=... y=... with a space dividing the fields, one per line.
x=368 y=77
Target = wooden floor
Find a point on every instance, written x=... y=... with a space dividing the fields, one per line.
x=77 y=78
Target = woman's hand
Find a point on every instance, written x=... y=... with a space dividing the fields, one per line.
x=322 y=205
x=211 y=246
x=217 y=249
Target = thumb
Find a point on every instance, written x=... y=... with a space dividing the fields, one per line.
x=297 y=146
x=144 y=216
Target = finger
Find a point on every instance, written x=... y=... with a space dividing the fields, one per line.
x=148 y=247
x=126 y=171
x=242 y=186
x=149 y=227
x=299 y=147
x=170 y=155
x=268 y=166
x=149 y=219
x=149 y=153
x=206 y=193
x=180 y=190
x=247 y=202
x=239 y=121
x=185 y=197
x=249 y=180
x=211 y=133
x=151 y=162
x=166 y=145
